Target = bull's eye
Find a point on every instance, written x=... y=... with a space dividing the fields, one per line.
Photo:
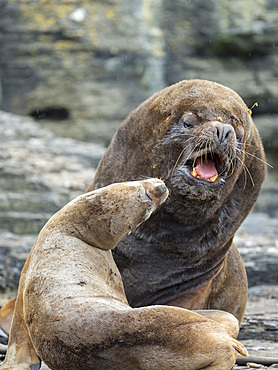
x=188 y=120
x=187 y=124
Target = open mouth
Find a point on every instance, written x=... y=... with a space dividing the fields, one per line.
x=207 y=167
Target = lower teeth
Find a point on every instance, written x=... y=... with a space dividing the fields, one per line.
x=213 y=178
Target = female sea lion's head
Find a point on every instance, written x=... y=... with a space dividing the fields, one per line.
x=108 y=214
x=198 y=137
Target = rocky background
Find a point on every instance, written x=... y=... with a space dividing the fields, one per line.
x=92 y=62
x=79 y=67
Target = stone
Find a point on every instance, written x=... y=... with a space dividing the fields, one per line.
x=259 y=329
x=257 y=241
x=90 y=63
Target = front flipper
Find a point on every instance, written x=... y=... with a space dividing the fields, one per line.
x=226 y=319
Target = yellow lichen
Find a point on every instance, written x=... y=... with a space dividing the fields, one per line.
x=109 y=14
x=63 y=44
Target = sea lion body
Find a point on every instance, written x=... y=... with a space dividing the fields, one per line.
x=71 y=310
x=199 y=137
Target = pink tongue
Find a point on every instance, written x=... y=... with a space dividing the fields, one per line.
x=205 y=168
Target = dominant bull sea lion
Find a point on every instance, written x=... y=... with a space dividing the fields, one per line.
x=199 y=137
x=71 y=310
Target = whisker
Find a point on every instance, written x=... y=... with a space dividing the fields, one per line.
x=178 y=135
x=230 y=164
x=187 y=157
x=176 y=163
x=244 y=171
x=246 y=168
x=190 y=154
x=254 y=156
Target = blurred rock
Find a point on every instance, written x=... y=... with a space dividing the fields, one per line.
x=71 y=60
x=91 y=63
x=268 y=201
x=257 y=241
x=233 y=43
x=267 y=125
x=259 y=329
x=39 y=174
x=14 y=250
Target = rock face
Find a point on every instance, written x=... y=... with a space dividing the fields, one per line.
x=82 y=61
x=71 y=60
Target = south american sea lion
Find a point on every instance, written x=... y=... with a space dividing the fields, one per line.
x=198 y=136
x=71 y=310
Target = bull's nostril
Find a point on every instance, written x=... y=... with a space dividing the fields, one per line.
x=227 y=130
x=223 y=131
x=227 y=134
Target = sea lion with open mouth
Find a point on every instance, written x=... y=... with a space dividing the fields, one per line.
x=199 y=137
x=71 y=310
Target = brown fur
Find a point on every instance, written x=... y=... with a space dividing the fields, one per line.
x=71 y=310
x=6 y=315
x=184 y=254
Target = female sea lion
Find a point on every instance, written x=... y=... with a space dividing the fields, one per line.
x=71 y=310
x=199 y=137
